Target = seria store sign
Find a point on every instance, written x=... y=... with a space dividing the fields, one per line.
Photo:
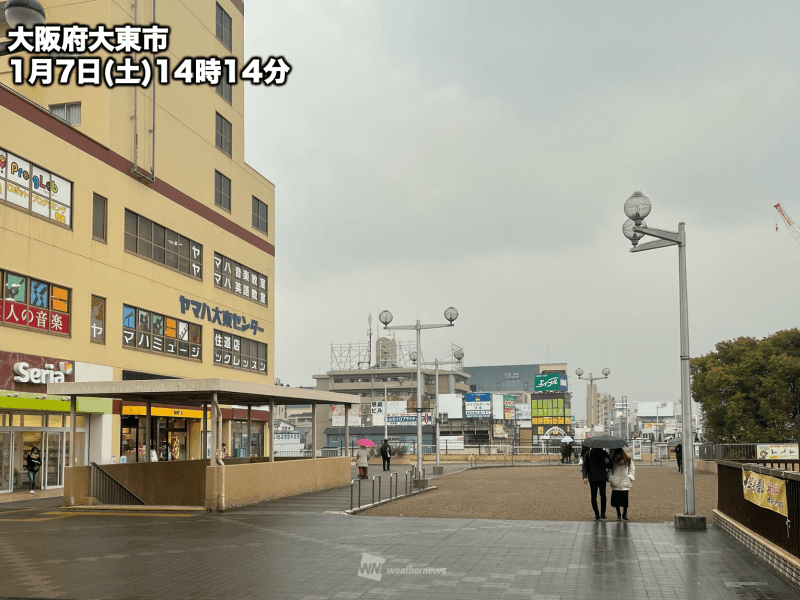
x=24 y=373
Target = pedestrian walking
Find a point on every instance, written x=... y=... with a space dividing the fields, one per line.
x=569 y=452
x=622 y=475
x=596 y=463
x=563 y=452
x=386 y=455
x=33 y=463
x=362 y=461
x=679 y=457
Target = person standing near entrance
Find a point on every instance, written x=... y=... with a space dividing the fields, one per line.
x=386 y=455
x=34 y=463
x=679 y=457
x=595 y=472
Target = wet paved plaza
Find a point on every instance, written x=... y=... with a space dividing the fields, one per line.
x=303 y=548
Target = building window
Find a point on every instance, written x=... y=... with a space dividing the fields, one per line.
x=98 y=318
x=224 y=134
x=224 y=87
x=34 y=304
x=224 y=27
x=99 y=218
x=163 y=246
x=239 y=353
x=26 y=186
x=159 y=334
x=260 y=216
x=71 y=113
x=222 y=191
x=240 y=280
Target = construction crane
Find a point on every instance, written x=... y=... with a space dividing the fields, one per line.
x=789 y=223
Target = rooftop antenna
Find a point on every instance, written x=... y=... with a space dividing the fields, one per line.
x=369 y=348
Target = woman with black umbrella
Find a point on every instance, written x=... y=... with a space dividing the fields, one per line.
x=595 y=472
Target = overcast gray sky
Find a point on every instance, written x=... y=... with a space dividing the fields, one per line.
x=478 y=154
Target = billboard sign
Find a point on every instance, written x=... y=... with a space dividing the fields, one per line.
x=552 y=382
x=478 y=406
x=510 y=408
x=407 y=419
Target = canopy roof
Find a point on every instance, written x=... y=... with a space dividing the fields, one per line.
x=199 y=391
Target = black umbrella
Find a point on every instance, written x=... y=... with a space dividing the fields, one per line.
x=605 y=441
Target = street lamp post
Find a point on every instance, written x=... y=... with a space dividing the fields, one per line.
x=400 y=381
x=591 y=379
x=27 y=13
x=658 y=423
x=459 y=356
x=451 y=314
x=637 y=208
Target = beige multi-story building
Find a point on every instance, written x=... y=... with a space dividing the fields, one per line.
x=136 y=242
x=599 y=407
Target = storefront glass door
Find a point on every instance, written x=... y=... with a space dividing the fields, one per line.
x=6 y=469
x=54 y=459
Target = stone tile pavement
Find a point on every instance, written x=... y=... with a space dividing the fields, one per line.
x=290 y=549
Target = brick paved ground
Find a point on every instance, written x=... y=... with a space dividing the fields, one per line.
x=264 y=552
x=554 y=493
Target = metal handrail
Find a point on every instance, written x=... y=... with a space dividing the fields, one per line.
x=352 y=481
x=374 y=477
x=107 y=490
x=396 y=484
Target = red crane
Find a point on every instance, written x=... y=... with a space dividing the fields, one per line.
x=793 y=228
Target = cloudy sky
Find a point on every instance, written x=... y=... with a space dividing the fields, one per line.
x=478 y=154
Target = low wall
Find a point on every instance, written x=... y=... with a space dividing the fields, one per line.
x=77 y=484
x=259 y=481
x=706 y=466
x=165 y=483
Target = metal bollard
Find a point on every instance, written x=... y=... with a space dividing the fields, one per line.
x=393 y=475
x=352 y=481
x=374 y=477
x=424 y=478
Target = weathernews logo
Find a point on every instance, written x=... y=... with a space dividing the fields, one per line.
x=372 y=568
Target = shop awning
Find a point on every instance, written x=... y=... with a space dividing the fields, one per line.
x=199 y=391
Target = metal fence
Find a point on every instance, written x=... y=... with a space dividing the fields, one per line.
x=781 y=531
x=728 y=451
x=410 y=476
x=107 y=490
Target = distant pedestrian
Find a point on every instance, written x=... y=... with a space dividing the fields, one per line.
x=679 y=457
x=569 y=452
x=33 y=464
x=563 y=452
x=386 y=455
x=576 y=451
x=596 y=463
x=362 y=461
x=622 y=475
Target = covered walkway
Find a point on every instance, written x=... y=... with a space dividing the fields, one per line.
x=214 y=483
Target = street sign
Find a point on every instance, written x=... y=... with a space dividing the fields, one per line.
x=377 y=408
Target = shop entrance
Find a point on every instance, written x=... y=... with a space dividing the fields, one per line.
x=19 y=433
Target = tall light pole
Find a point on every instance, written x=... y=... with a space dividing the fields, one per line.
x=637 y=208
x=591 y=379
x=658 y=423
x=451 y=314
x=400 y=381
x=459 y=356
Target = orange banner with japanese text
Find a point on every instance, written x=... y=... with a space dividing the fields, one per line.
x=768 y=492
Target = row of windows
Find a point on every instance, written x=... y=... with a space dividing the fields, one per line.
x=240 y=280
x=164 y=246
x=157 y=333
x=222 y=198
x=35 y=304
x=27 y=302
x=239 y=353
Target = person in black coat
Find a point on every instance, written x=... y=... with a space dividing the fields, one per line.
x=596 y=463
x=679 y=457
x=386 y=455
x=34 y=462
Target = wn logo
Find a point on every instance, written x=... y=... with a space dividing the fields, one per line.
x=371 y=567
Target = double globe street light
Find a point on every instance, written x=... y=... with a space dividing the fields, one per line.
x=451 y=314
x=637 y=208
x=27 y=13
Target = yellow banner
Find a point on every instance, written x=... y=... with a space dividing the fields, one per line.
x=163 y=412
x=768 y=492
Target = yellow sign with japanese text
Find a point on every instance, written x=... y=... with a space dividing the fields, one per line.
x=768 y=492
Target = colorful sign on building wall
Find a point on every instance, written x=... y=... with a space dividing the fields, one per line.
x=35 y=190
x=551 y=382
x=478 y=406
x=31 y=373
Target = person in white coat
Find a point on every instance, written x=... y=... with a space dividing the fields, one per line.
x=362 y=461
x=622 y=475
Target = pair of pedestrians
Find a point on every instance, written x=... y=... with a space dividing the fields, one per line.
x=599 y=468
